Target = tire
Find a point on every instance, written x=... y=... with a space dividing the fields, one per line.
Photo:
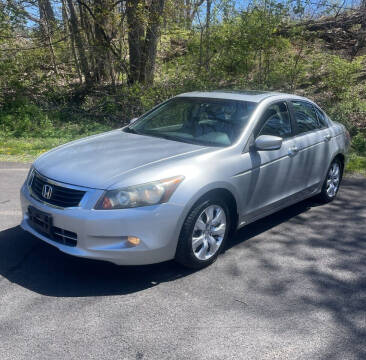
x=188 y=253
x=328 y=193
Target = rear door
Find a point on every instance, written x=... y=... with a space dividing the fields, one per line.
x=312 y=143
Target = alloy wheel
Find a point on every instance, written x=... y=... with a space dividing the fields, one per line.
x=209 y=232
x=333 y=179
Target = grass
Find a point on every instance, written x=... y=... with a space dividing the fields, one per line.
x=356 y=164
x=26 y=149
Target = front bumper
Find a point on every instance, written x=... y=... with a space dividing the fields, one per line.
x=101 y=233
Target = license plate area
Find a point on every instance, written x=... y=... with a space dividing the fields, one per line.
x=40 y=221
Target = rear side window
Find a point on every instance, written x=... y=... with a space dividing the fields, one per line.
x=305 y=116
x=321 y=117
x=276 y=121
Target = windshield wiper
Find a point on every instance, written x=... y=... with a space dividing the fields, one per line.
x=181 y=139
x=165 y=136
x=172 y=138
x=130 y=130
x=160 y=135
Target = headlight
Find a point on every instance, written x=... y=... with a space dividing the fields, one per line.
x=30 y=177
x=152 y=193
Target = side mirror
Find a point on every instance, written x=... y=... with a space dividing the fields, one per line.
x=133 y=120
x=268 y=142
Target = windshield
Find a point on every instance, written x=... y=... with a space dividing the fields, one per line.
x=215 y=122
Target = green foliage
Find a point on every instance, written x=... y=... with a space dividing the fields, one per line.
x=356 y=164
x=350 y=111
x=359 y=143
x=43 y=103
x=244 y=46
x=20 y=117
x=342 y=75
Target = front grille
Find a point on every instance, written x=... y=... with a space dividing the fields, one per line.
x=60 y=196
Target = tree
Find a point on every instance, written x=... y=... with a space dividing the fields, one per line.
x=143 y=40
x=47 y=25
x=46 y=14
x=75 y=34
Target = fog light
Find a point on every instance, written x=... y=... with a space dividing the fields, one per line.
x=133 y=240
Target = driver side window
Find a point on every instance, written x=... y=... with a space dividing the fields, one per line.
x=276 y=121
x=173 y=116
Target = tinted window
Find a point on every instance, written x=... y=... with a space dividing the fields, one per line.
x=171 y=114
x=321 y=117
x=305 y=116
x=205 y=121
x=276 y=121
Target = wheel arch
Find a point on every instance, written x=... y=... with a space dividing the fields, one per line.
x=221 y=192
x=341 y=158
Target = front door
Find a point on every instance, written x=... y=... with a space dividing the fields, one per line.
x=272 y=179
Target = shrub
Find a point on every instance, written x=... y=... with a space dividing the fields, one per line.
x=21 y=118
x=359 y=143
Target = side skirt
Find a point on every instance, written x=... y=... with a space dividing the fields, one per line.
x=279 y=205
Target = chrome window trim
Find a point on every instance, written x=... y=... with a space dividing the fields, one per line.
x=325 y=116
x=310 y=132
x=289 y=117
x=251 y=138
x=295 y=134
x=314 y=106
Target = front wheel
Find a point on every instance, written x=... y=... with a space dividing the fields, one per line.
x=332 y=181
x=203 y=234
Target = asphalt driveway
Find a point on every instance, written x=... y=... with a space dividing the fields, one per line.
x=291 y=286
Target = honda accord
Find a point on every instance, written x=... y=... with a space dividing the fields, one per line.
x=179 y=180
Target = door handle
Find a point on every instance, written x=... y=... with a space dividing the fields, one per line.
x=293 y=150
x=327 y=137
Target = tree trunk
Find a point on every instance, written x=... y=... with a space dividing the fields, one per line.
x=192 y=10
x=86 y=24
x=67 y=30
x=79 y=43
x=45 y=11
x=188 y=21
x=136 y=34
x=143 y=44
x=103 y=29
x=47 y=25
x=361 y=41
x=208 y=24
x=147 y=70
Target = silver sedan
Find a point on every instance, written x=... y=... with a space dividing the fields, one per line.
x=179 y=180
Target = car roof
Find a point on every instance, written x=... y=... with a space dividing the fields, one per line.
x=243 y=95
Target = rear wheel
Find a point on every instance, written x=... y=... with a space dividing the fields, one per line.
x=332 y=181
x=203 y=234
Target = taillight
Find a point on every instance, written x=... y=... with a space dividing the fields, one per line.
x=348 y=137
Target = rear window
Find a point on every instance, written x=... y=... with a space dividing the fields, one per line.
x=321 y=117
x=305 y=116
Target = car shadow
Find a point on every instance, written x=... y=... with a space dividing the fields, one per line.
x=260 y=226
x=37 y=266
x=296 y=269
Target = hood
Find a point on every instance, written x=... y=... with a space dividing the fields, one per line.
x=99 y=161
